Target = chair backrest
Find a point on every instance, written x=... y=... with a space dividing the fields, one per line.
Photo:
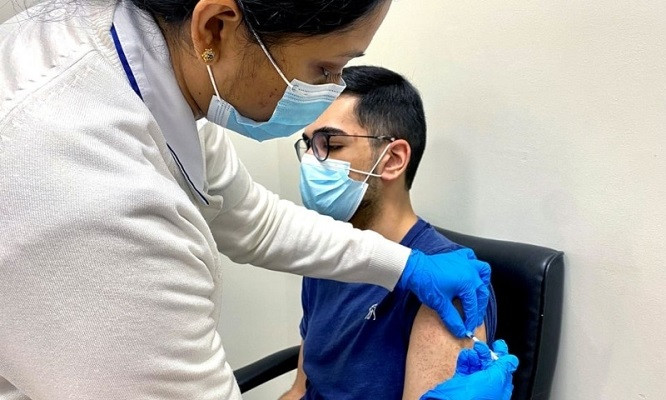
x=528 y=283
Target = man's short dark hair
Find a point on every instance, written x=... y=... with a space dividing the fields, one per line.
x=388 y=105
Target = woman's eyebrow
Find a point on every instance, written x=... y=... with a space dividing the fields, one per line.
x=353 y=54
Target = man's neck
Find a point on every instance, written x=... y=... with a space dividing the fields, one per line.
x=392 y=220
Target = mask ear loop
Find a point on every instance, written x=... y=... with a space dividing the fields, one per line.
x=270 y=58
x=369 y=174
x=212 y=80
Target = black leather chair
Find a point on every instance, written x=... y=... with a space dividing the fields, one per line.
x=528 y=283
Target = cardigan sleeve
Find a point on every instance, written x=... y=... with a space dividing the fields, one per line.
x=255 y=226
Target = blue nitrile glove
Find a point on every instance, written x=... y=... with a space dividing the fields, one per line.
x=439 y=278
x=478 y=377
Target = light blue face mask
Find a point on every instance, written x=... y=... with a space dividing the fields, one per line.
x=327 y=188
x=300 y=105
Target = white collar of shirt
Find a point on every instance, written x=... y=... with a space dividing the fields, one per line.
x=147 y=54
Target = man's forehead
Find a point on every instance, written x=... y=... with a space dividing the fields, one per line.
x=339 y=118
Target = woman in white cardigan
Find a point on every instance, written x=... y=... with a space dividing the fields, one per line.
x=114 y=207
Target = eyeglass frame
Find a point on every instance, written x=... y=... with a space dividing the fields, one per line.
x=327 y=135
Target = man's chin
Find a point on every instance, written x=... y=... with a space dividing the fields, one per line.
x=364 y=215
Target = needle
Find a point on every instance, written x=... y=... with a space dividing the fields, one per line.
x=493 y=355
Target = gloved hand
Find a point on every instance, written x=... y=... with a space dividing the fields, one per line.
x=478 y=377
x=437 y=279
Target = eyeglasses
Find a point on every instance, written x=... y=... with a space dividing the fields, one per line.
x=320 y=143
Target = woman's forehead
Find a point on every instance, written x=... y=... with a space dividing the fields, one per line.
x=346 y=44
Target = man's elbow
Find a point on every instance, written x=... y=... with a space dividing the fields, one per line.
x=295 y=393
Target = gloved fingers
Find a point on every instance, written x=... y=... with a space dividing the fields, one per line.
x=463 y=364
x=483 y=294
x=500 y=347
x=483 y=352
x=508 y=390
x=451 y=318
x=473 y=381
x=483 y=268
x=466 y=253
x=468 y=362
x=483 y=291
x=470 y=307
x=507 y=363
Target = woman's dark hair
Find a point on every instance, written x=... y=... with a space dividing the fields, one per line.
x=388 y=105
x=275 y=19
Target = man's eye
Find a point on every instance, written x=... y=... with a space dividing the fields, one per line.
x=334 y=147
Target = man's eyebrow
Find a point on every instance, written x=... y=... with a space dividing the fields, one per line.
x=330 y=130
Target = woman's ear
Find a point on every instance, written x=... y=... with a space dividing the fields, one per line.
x=213 y=27
x=397 y=158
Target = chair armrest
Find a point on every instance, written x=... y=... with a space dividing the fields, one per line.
x=269 y=367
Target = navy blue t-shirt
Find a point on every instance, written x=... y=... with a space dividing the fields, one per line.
x=356 y=335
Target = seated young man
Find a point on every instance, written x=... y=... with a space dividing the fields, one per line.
x=358 y=161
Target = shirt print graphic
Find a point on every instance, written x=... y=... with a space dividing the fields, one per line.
x=371 y=312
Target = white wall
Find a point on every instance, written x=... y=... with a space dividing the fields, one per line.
x=261 y=309
x=546 y=125
x=8 y=8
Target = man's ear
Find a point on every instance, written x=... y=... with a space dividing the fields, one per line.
x=396 y=160
x=213 y=26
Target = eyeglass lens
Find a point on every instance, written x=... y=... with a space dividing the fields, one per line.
x=301 y=148
x=319 y=145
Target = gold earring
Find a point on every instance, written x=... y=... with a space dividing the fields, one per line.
x=208 y=56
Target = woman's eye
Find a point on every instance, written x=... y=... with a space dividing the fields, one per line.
x=330 y=76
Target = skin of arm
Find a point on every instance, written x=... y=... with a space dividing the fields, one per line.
x=297 y=390
x=433 y=353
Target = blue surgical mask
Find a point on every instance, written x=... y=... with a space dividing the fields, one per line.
x=300 y=105
x=327 y=188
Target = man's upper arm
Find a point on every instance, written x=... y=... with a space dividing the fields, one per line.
x=433 y=353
